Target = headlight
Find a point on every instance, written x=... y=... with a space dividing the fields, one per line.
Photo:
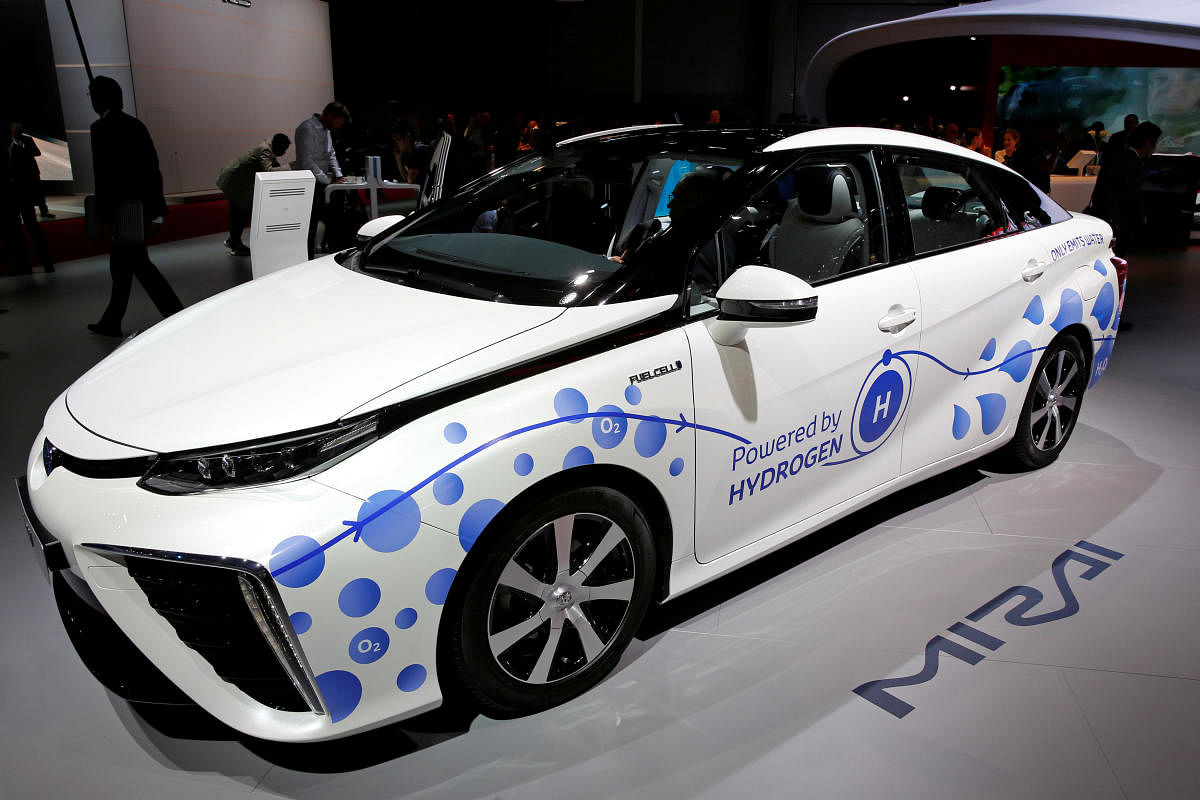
x=260 y=462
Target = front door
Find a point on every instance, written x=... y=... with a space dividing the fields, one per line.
x=797 y=419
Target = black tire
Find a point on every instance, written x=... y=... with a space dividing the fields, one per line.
x=519 y=651
x=1051 y=407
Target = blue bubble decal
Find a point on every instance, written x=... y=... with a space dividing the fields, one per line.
x=1019 y=361
x=406 y=618
x=291 y=550
x=438 y=586
x=341 y=691
x=1100 y=362
x=578 y=457
x=455 y=433
x=882 y=405
x=475 y=519
x=1105 y=304
x=1099 y=267
x=992 y=408
x=1070 y=310
x=359 y=597
x=676 y=467
x=962 y=422
x=523 y=464
x=448 y=489
x=1034 y=312
x=609 y=431
x=633 y=395
x=411 y=678
x=989 y=350
x=569 y=402
x=301 y=621
x=650 y=437
x=369 y=645
x=392 y=529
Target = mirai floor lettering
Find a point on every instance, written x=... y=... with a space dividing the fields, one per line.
x=1020 y=614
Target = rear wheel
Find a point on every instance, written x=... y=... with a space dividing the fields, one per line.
x=548 y=612
x=1051 y=406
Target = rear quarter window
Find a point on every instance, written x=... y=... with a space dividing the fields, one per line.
x=1027 y=206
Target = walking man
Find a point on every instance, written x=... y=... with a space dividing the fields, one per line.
x=128 y=191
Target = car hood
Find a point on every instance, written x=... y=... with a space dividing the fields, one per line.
x=293 y=350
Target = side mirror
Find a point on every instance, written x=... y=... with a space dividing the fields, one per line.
x=761 y=297
x=373 y=227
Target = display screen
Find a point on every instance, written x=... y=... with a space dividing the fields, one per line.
x=1072 y=98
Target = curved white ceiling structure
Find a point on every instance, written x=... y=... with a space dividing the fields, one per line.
x=1170 y=23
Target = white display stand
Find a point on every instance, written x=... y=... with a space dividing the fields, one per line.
x=279 y=222
x=1072 y=192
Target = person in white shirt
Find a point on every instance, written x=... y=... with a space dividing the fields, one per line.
x=314 y=152
x=1012 y=138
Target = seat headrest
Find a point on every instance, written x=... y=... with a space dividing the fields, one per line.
x=823 y=194
x=939 y=202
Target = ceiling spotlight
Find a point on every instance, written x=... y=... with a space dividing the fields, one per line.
x=972 y=38
x=953 y=88
x=905 y=98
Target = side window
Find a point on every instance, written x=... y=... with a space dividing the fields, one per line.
x=947 y=205
x=1027 y=206
x=820 y=220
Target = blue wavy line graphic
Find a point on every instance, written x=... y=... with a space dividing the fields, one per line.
x=355 y=527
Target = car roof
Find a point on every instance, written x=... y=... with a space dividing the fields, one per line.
x=741 y=141
x=738 y=142
x=828 y=137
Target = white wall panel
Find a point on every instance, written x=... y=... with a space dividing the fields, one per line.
x=213 y=79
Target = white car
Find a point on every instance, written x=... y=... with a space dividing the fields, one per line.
x=467 y=455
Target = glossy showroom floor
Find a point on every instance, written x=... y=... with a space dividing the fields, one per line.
x=744 y=689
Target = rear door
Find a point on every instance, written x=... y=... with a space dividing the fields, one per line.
x=982 y=277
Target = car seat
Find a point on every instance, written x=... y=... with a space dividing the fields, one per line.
x=820 y=233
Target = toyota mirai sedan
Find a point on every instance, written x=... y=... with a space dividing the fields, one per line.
x=467 y=455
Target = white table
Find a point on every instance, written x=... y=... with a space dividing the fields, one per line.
x=1072 y=192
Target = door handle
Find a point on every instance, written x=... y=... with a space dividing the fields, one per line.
x=897 y=319
x=1034 y=270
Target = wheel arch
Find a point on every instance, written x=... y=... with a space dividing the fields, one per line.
x=645 y=496
x=1080 y=333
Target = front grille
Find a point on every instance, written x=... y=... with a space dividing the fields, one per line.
x=206 y=607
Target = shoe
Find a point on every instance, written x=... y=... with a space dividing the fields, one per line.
x=48 y=268
x=236 y=249
x=48 y=215
x=104 y=330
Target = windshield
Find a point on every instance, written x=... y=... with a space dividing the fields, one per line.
x=547 y=230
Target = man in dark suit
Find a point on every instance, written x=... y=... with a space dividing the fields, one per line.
x=1117 y=198
x=26 y=185
x=10 y=226
x=126 y=168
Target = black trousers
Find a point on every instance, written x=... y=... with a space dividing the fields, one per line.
x=238 y=218
x=12 y=235
x=29 y=217
x=318 y=215
x=129 y=261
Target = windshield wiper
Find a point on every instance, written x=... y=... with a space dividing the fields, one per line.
x=411 y=275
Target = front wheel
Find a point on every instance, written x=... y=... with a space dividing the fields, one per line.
x=1051 y=407
x=547 y=613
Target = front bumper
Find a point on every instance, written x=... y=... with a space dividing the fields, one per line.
x=104 y=542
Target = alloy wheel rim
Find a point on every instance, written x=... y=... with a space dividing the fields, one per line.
x=1055 y=401
x=560 y=600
